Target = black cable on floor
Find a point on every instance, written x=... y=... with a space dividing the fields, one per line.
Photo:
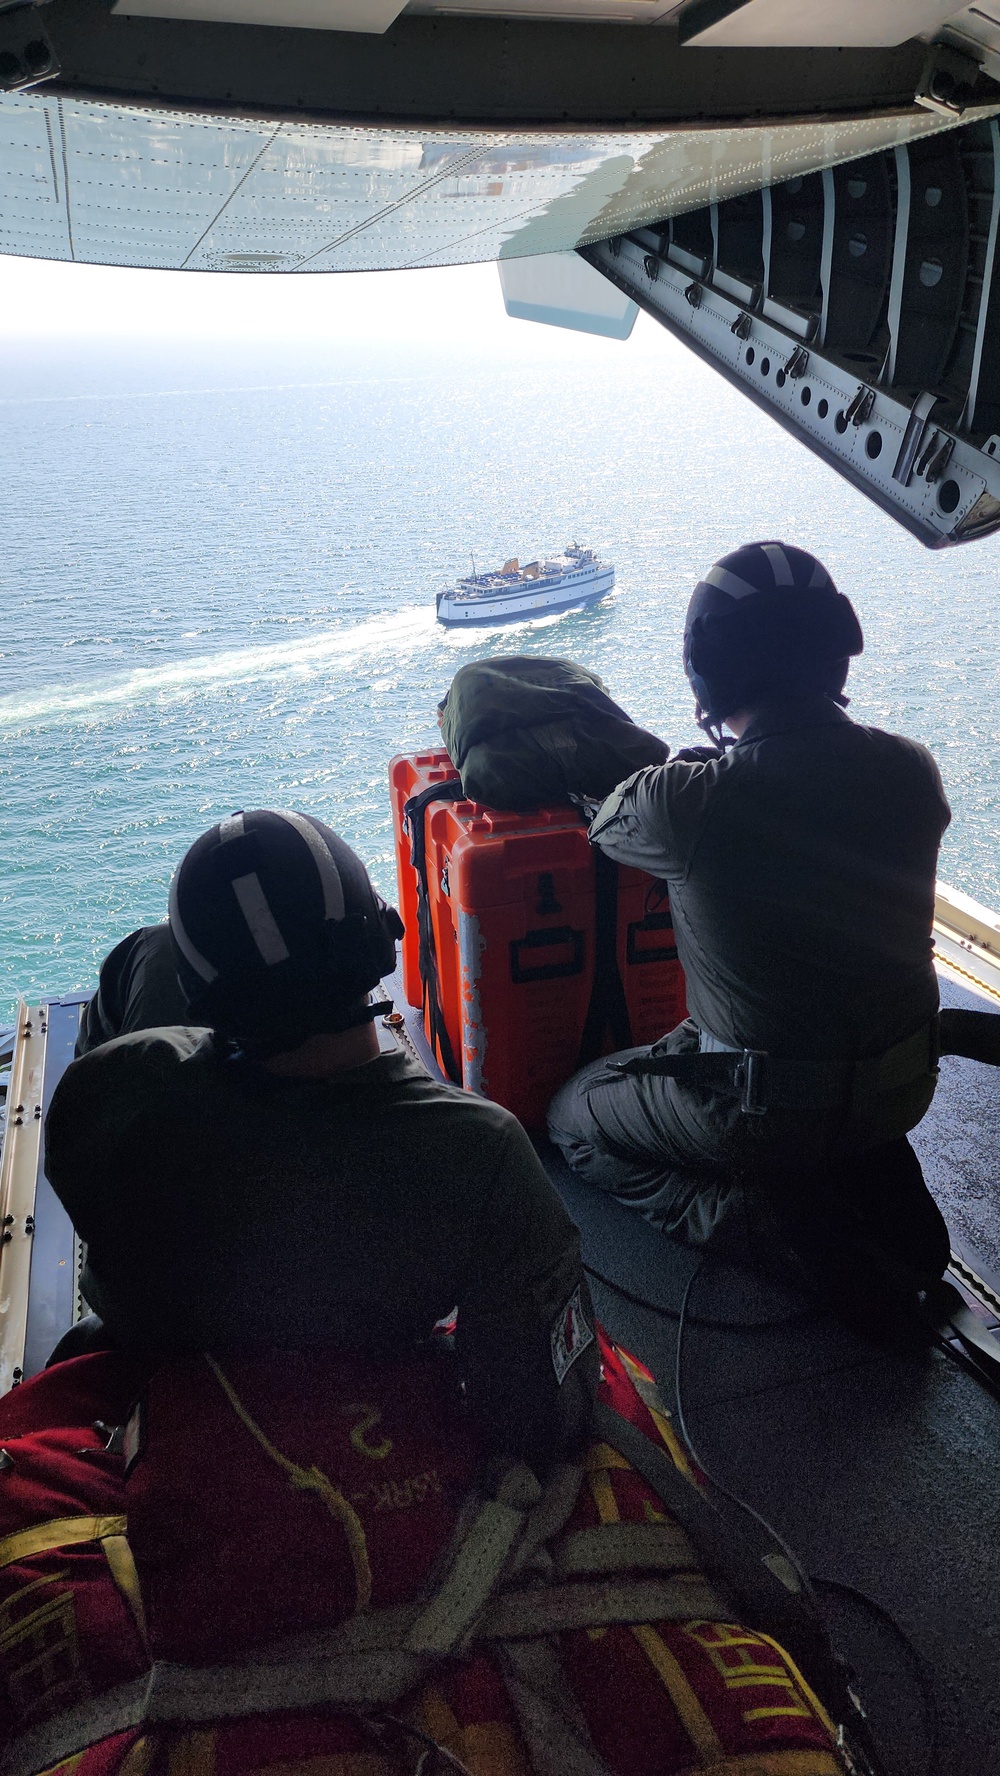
x=799 y=1317
x=682 y=1317
x=932 y=1714
x=805 y=1579
x=683 y=1320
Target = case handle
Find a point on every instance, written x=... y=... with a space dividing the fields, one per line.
x=650 y=952
x=547 y=938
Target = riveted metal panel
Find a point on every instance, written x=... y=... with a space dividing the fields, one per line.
x=52 y=1286
x=127 y=185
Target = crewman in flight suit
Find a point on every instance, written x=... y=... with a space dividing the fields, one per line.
x=800 y=863
x=264 y=1177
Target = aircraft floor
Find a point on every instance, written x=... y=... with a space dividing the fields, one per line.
x=878 y=1465
x=959 y=1142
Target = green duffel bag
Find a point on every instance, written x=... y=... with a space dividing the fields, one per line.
x=524 y=731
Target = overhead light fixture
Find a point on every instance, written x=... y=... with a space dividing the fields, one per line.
x=810 y=24
x=26 y=53
x=948 y=81
x=373 y=16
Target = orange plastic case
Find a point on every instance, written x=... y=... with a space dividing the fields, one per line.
x=513 y=904
x=407 y=777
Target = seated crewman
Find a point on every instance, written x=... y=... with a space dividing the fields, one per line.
x=801 y=867
x=137 y=989
x=265 y=1178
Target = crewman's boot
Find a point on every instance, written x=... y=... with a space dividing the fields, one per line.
x=871 y=1240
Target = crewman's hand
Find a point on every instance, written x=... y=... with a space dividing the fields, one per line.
x=694 y=755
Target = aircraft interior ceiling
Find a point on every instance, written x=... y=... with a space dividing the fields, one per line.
x=205 y=135
x=527 y=63
x=115 y=184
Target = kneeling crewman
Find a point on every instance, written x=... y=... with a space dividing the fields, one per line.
x=801 y=865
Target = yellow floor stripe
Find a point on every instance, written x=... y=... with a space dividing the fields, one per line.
x=697 y=1725
x=946 y=962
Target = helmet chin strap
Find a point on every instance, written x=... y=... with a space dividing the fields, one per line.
x=712 y=729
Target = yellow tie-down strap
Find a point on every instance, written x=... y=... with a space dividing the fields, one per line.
x=59 y=1532
x=69 y=1532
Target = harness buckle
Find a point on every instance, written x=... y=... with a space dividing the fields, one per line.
x=748 y=1077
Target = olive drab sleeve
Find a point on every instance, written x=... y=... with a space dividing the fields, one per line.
x=525 y=1322
x=101 y=1098
x=137 y=989
x=112 y=1108
x=653 y=820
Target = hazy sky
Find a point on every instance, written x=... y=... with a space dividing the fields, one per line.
x=48 y=297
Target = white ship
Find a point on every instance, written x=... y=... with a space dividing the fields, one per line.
x=539 y=589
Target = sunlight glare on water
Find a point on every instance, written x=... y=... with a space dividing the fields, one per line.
x=219 y=572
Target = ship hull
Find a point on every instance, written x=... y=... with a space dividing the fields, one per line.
x=457 y=612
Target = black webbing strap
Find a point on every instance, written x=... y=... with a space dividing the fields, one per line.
x=766 y=1082
x=975 y=1034
x=414 y=822
x=741 y=1568
x=608 y=1006
x=716 y=1071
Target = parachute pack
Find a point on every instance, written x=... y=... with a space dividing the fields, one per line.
x=304 y=1568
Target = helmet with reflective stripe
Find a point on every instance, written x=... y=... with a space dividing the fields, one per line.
x=278 y=933
x=767 y=621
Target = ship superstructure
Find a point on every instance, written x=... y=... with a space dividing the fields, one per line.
x=539 y=589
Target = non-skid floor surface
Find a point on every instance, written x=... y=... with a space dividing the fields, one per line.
x=879 y=1464
x=959 y=1143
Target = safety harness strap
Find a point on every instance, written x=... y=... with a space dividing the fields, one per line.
x=608 y=1008
x=556 y=1609
x=473 y=1575
x=549 y=1715
x=370 y=1667
x=617 y=1547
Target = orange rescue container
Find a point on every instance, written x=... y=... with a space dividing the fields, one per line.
x=514 y=901
x=407 y=777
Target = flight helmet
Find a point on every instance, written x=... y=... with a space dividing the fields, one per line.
x=278 y=933
x=767 y=621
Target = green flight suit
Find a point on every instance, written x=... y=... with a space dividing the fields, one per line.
x=801 y=869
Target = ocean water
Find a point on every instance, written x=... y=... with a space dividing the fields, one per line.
x=219 y=564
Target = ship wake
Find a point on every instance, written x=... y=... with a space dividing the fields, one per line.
x=334 y=650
